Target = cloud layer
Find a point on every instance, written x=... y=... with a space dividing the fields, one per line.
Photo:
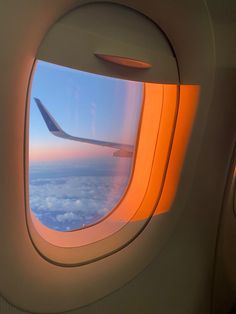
x=71 y=202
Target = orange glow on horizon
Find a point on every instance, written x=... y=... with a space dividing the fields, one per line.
x=65 y=153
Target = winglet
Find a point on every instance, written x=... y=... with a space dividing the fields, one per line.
x=51 y=123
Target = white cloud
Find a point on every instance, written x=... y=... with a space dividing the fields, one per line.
x=67 y=217
x=82 y=200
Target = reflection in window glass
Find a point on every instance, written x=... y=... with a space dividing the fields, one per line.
x=82 y=135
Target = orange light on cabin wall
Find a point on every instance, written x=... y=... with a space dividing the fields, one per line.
x=188 y=100
x=157 y=167
x=189 y=96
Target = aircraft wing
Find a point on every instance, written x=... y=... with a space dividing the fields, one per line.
x=56 y=130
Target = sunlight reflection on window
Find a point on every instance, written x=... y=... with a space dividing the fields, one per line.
x=82 y=138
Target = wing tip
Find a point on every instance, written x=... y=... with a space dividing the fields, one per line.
x=52 y=125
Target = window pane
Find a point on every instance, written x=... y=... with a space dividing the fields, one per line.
x=82 y=137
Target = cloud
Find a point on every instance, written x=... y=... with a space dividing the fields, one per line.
x=68 y=203
x=67 y=217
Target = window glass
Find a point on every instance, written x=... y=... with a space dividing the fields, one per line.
x=82 y=137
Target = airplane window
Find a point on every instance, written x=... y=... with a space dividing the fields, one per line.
x=82 y=138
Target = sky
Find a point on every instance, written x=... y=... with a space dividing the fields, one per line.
x=74 y=184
